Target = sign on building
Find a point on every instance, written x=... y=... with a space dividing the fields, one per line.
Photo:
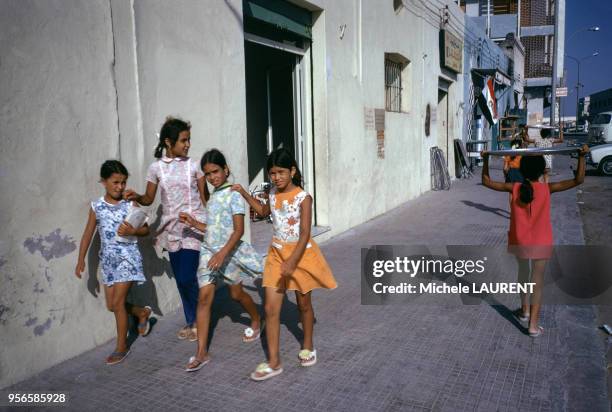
x=561 y=92
x=451 y=52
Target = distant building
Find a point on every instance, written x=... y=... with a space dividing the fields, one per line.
x=600 y=102
x=533 y=23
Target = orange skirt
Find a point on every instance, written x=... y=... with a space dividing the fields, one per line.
x=312 y=270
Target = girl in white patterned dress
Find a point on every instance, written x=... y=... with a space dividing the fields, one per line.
x=120 y=258
x=294 y=261
x=183 y=189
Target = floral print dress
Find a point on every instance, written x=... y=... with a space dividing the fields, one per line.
x=243 y=262
x=312 y=271
x=120 y=260
x=177 y=178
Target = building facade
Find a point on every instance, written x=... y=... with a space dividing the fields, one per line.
x=359 y=90
x=492 y=51
x=533 y=24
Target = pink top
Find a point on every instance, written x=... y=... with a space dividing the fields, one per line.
x=530 y=223
x=177 y=178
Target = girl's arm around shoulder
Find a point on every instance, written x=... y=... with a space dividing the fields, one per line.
x=486 y=179
x=151 y=190
x=262 y=210
x=144 y=200
x=90 y=229
x=578 y=180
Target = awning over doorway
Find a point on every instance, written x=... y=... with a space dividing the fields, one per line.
x=280 y=14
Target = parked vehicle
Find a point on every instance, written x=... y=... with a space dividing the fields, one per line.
x=600 y=157
x=600 y=130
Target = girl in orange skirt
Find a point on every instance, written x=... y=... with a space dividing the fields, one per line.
x=294 y=260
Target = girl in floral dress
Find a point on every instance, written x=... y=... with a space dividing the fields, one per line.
x=294 y=261
x=120 y=258
x=223 y=257
x=183 y=189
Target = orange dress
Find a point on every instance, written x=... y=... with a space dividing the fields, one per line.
x=312 y=270
x=530 y=235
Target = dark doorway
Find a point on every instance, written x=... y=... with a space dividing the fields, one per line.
x=270 y=104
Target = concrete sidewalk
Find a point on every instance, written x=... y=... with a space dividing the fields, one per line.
x=414 y=357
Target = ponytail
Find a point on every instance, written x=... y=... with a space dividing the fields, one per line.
x=170 y=130
x=532 y=167
x=159 y=150
x=526 y=192
x=297 y=178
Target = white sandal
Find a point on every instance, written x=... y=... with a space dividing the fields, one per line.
x=264 y=371
x=251 y=335
x=307 y=357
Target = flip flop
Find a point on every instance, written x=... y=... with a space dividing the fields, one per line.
x=264 y=371
x=520 y=315
x=251 y=335
x=538 y=333
x=146 y=324
x=198 y=366
x=307 y=357
x=120 y=356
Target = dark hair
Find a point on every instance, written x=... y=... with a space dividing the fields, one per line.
x=170 y=130
x=283 y=158
x=112 y=166
x=532 y=167
x=545 y=133
x=213 y=156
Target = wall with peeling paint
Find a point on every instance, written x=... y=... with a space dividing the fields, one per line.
x=82 y=84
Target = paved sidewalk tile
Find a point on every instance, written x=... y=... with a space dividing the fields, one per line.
x=371 y=358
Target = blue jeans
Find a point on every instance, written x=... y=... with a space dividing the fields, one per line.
x=185 y=267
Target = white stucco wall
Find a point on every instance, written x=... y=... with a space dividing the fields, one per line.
x=355 y=174
x=82 y=82
x=87 y=80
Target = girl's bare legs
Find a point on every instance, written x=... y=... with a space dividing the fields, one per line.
x=239 y=295
x=306 y=317
x=274 y=301
x=205 y=299
x=138 y=311
x=537 y=276
x=115 y=302
x=523 y=277
x=142 y=314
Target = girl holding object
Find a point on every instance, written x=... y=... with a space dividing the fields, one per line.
x=294 y=260
x=223 y=257
x=183 y=189
x=120 y=258
x=530 y=236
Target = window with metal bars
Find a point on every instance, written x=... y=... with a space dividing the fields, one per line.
x=393 y=86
